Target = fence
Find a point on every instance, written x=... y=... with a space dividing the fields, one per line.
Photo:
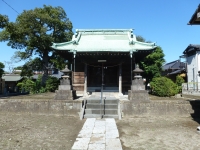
x=191 y=88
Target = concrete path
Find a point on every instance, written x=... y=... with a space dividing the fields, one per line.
x=98 y=134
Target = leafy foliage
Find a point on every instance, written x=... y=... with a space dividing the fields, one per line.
x=28 y=85
x=162 y=86
x=1 y=69
x=51 y=84
x=152 y=64
x=3 y=21
x=140 y=38
x=179 y=81
x=30 y=66
x=35 y=30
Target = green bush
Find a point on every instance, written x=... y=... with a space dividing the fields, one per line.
x=163 y=87
x=51 y=84
x=36 y=86
x=28 y=85
x=179 y=81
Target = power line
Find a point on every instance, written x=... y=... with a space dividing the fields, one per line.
x=10 y=7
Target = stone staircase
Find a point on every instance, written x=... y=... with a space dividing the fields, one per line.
x=107 y=109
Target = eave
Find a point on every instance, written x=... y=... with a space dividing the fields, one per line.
x=195 y=19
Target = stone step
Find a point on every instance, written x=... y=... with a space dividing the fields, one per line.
x=97 y=106
x=99 y=116
x=98 y=111
x=98 y=101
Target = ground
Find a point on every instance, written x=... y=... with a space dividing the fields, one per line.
x=31 y=131
x=156 y=133
x=38 y=132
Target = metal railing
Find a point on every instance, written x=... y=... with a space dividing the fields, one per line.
x=191 y=86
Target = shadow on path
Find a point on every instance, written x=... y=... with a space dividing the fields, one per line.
x=196 y=107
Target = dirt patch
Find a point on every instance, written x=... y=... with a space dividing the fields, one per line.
x=155 y=133
x=30 y=131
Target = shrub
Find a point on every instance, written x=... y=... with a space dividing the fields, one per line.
x=51 y=84
x=28 y=85
x=163 y=87
x=179 y=81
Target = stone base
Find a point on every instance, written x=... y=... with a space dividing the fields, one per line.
x=65 y=95
x=138 y=96
x=64 y=87
x=137 y=85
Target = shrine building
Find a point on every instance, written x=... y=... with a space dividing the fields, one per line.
x=103 y=58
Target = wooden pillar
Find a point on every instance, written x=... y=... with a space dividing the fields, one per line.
x=85 y=82
x=120 y=79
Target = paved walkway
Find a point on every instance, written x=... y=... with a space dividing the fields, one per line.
x=98 y=134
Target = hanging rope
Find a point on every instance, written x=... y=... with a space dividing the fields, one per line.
x=104 y=66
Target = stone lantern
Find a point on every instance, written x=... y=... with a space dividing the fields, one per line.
x=137 y=83
x=65 y=82
x=137 y=72
x=65 y=91
x=138 y=92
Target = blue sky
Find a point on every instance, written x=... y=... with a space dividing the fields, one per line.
x=160 y=21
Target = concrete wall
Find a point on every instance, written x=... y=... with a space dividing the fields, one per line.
x=128 y=108
x=60 y=107
x=156 y=108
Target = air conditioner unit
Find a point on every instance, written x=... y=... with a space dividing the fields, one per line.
x=198 y=16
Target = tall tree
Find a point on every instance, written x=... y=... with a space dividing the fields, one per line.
x=35 y=30
x=1 y=69
x=152 y=64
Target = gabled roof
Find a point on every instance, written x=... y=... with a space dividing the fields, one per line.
x=112 y=40
x=191 y=48
x=195 y=19
x=12 y=77
x=174 y=65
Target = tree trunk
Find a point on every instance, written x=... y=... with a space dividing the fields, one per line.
x=45 y=67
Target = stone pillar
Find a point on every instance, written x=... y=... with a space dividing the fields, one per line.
x=120 y=79
x=85 y=82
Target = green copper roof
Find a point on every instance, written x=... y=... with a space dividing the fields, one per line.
x=114 y=40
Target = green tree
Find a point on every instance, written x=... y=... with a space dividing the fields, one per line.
x=35 y=30
x=30 y=66
x=152 y=64
x=140 y=38
x=1 y=69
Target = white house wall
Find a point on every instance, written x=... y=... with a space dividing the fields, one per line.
x=198 y=66
x=191 y=68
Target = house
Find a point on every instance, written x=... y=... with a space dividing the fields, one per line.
x=11 y=81
x=174 y=68
x=192 y=54
x=195 y=19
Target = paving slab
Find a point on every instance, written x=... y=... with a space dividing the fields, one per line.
x=112 y=134
x=113 y=144
x=98 y=138
x=81 y=144
x=97 y=146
